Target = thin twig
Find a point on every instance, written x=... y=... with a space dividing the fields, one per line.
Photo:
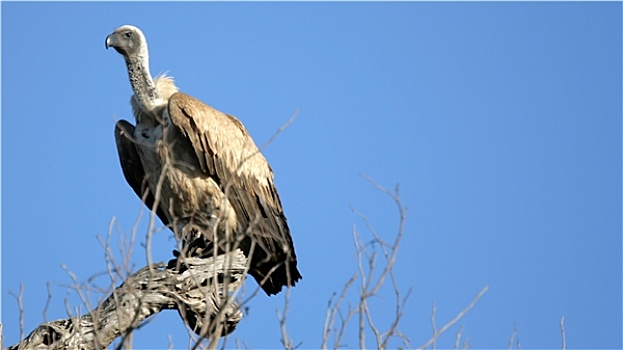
x=511 y=341
x=332 y=313
x=20 y=305
x=371 y=284
x=77 y=287
x=457 y=341
x=456 y=318
x=432 y=321
x=281 y=129
x=285 y=337
x=562 y=333
x=47 y=302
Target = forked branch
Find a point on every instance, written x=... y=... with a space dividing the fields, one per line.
x=370 y=285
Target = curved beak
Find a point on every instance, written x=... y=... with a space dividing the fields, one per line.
x=111 y=41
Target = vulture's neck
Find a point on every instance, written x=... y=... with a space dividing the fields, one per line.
x=143 y=85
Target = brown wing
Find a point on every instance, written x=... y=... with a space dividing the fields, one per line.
x=226 y=153
x=132 y=166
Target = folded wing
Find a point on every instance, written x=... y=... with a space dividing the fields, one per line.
x=226 y=153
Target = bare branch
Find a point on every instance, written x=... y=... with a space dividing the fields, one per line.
x=562 y=333
x=511 y=341
x=457 y=342
x=281 y=129
x=332 y=314
x=20 y=305
x=432 y=321
x=47 y=302
x=367 y=265
x=285 y=337
x=455 y=319
x=148 y=291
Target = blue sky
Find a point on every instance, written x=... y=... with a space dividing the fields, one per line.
x=500 y=121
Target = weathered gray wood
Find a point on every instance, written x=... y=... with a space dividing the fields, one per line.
x=191 y=290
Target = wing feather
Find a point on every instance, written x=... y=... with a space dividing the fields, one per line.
x=132 y=166
x=226 y=152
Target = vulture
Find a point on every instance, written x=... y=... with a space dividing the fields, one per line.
x=201 y=172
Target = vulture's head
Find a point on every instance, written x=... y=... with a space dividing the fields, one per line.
x=128 y=41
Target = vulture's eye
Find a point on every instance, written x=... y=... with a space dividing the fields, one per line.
x=128 y=34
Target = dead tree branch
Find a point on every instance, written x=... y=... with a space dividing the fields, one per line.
x=201 y=291
x=370 y=285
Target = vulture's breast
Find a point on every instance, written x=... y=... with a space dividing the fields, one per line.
x=186 y=193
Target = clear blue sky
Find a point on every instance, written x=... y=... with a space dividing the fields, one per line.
x=500 y=121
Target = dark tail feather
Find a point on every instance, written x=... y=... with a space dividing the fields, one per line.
x=273 y=277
